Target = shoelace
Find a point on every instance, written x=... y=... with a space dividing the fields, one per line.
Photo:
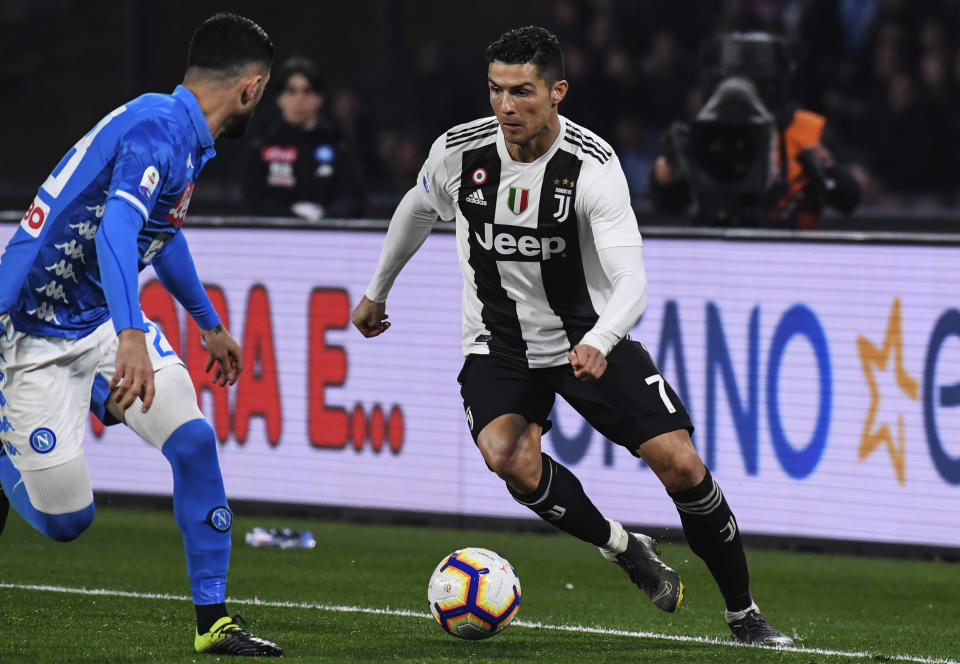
x=754 y=622
x=236 y=624
x=635 y=569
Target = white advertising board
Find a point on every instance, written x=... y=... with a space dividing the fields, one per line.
x=823 y=380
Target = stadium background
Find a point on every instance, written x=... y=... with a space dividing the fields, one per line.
x=793 y=409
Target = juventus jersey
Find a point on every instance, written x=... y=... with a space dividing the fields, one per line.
x=528 y=236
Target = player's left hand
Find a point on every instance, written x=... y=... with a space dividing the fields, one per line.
x=588 y=362
x=225 y=352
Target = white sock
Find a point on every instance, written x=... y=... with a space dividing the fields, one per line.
x=618 y=538
x=733 y=616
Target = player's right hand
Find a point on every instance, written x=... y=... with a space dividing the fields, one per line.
x=370 y=317
x=134 y=375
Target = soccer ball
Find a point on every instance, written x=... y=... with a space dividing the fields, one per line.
x=474 y=593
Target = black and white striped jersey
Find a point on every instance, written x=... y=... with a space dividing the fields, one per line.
x=528 y=236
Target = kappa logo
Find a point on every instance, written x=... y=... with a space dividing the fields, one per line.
x=63 y=269
x=72 y=249
x=86 y=229
x=189 y=160
x=45 y=312
x=53 y=290
x=179 y=211
x=220 y=519
x=155 y=246
x=469 y=418
x=43 y=440
x=477 y=198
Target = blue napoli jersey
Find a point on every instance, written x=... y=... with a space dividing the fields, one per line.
x=148 y=153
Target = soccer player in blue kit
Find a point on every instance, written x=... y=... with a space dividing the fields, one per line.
x=73 y=337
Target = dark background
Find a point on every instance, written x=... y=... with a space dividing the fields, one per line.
x=399 y=72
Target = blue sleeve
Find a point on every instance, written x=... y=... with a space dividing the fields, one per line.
x=174 y=266
x=118 y=255
x=141 y=162
x=21 y=251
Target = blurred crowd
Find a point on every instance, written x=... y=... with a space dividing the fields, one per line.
x=886 y=73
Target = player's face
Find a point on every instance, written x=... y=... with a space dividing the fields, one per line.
x=299 y=102
x=522 y=100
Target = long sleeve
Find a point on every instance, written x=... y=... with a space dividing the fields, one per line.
x=178 y=274
x=117 y=256
x=628 y=298
x=410 y=225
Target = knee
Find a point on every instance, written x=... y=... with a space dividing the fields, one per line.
x=68 y=527
x=519 y=473
x=681 y=471
x=191 y=445
x=515 y=464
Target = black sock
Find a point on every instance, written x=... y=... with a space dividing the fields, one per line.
x=559 y=499
x=207 y=614
x=712 y=534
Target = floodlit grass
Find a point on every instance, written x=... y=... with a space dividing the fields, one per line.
x=846 y=605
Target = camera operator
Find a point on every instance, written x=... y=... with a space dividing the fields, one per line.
x=725 y=167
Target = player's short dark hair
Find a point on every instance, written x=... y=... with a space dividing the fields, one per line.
x=533 y=45
x=225 y=44
x=303 y=66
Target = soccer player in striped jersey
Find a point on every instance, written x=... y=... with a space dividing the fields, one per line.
x=73 y=337
x=553 y=281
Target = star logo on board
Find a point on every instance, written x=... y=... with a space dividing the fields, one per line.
x=874 y=359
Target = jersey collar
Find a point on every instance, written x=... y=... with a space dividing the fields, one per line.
x=185 y=97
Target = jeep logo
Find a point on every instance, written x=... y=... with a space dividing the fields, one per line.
x=509 y=244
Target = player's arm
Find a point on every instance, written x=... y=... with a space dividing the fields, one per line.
x=117 y=253
x=606 y=207
x=177 y=272
x=410 y=225
x=139 y=166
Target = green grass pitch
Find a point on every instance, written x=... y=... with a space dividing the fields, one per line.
x=319 y=604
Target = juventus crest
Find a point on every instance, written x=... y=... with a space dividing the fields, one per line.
x=562 y=192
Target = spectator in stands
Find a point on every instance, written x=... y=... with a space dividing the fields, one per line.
x=727 y=164
x=302 y=164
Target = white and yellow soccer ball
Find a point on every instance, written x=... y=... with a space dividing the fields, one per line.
x=474 y=593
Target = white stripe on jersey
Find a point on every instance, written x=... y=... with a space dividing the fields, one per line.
x=134 y=201
x=533 y=283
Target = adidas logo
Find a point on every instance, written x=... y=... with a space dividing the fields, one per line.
x=476 y=198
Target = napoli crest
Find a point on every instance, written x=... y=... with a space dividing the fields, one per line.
x=220 y=519
x=324 y=153
x=43 y=440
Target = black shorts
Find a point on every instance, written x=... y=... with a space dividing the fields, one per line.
x=630 y=404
